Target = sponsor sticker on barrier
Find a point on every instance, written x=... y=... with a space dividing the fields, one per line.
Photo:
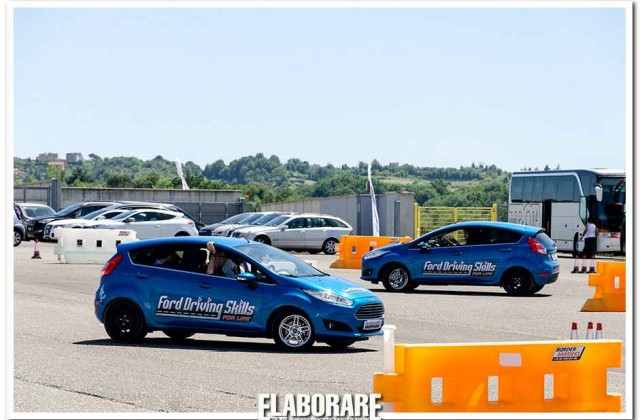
x=567 y=353
x=123 y=233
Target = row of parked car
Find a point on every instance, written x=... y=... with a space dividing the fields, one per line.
x=309 y=232
x=299 y=232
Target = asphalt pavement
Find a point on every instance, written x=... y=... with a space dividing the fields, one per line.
x=64 y=360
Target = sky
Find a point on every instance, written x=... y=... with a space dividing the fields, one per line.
x=430 y=87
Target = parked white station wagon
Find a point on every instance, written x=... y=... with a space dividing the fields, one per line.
x=150 y=223
x=300 y=232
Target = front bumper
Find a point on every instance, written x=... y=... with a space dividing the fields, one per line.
x=345 y=323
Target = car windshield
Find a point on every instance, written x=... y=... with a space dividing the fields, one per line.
x=68 y=210
x=124 y=215
x=94 y=214
x=249 y=220
x=235 y=219
x=279 y=262
x=37 y=211
x=277 y=221
x=264 y=219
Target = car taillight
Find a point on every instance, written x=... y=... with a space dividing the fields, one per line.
x=537 y=247
x=111 y=265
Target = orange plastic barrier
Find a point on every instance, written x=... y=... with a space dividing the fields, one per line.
x=610 y=284
x=537 y=376
x=352 y=247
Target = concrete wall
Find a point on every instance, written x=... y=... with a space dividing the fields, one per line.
x=72 y=195
x=356 y=210
x=31 y=194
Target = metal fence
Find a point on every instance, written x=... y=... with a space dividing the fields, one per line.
x=429 y=218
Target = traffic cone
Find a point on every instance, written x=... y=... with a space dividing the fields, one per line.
x=589 y=334
x=36 y=251
x=574 y=331
x=599 y=331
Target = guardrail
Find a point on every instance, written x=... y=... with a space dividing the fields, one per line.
x=536 y=376
x=610 y=283
x=352 y=247
x=428 y=218
x=89 y=246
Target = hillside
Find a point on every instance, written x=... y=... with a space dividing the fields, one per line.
x=267 y=179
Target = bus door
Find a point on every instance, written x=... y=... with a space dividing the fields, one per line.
x=546 y=216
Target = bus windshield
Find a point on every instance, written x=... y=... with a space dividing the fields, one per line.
x=610 y=211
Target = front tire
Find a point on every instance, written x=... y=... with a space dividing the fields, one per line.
x=293 y=331
x=17 y=238
x=262 y=239
x=124 y=322
x=178 y=335
x=330 y=246
x=340 y=344
x=517 y=282
x=396 y=279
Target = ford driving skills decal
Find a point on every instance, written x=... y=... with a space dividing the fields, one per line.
x=479 y=269
x=207 y=308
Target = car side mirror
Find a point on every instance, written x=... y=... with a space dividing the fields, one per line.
x=283 y=228
x=129 y=220
x=247 y=278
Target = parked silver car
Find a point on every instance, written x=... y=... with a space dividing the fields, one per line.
x=300 y=232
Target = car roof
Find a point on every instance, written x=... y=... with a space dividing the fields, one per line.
x=32 y=204
x=189 y=240
x=314 y=215
x=523 y=229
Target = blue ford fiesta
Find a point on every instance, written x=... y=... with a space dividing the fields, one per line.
x=521 y=259
x=241 y=288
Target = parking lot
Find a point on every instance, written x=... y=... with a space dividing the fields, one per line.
x=64 y=360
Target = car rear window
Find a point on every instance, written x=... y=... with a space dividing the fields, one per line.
x=545 y=240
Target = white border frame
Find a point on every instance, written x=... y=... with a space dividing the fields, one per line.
x=7 y=179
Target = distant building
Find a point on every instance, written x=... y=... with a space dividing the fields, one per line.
x=74 y=157
x=61 y=163
x=47 y=157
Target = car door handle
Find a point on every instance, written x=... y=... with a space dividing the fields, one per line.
x=205 y=285
x=506 y=250
x=142 y=275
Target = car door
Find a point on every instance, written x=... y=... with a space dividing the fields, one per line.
x=139 y=222
x=439 y=258
x=293 y=237
x=166 y=224
x=316 y=233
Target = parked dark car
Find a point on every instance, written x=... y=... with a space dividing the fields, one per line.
x=35 y=226
x=18 y=230
x=29 y=213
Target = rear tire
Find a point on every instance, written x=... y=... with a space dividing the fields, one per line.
x=178 y=335
x=396 y=279
x=293 y=331
x=535 y=288
x=124 y=322
x=517 y=282
x=330 y=246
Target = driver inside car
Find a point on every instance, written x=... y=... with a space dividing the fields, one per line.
x=220 y=264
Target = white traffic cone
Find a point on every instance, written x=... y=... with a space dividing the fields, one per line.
x=589 y=335
x=599 y=331
x=574 y=331
x=36 y=251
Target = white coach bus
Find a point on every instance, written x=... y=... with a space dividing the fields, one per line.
x=562 y=201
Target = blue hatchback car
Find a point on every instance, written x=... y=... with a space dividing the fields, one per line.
x=521 y=259
x=240 y=288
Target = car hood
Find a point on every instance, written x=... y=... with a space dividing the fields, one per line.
x=42 y=219
x=64 y=222
x=261 y=229
x=252 y=228
x=109 y=223
x=336 y=284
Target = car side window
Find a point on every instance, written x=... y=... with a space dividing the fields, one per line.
x=190 y=258
x=317 y=222
x=504 y=236
x=298 y=223
x=140 y=217
x=154 y=216
x=479 y=236
x=89 y=209
x=447 y=239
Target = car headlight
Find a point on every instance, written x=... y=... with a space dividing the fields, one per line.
x=330 y=297
x=374 y=254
